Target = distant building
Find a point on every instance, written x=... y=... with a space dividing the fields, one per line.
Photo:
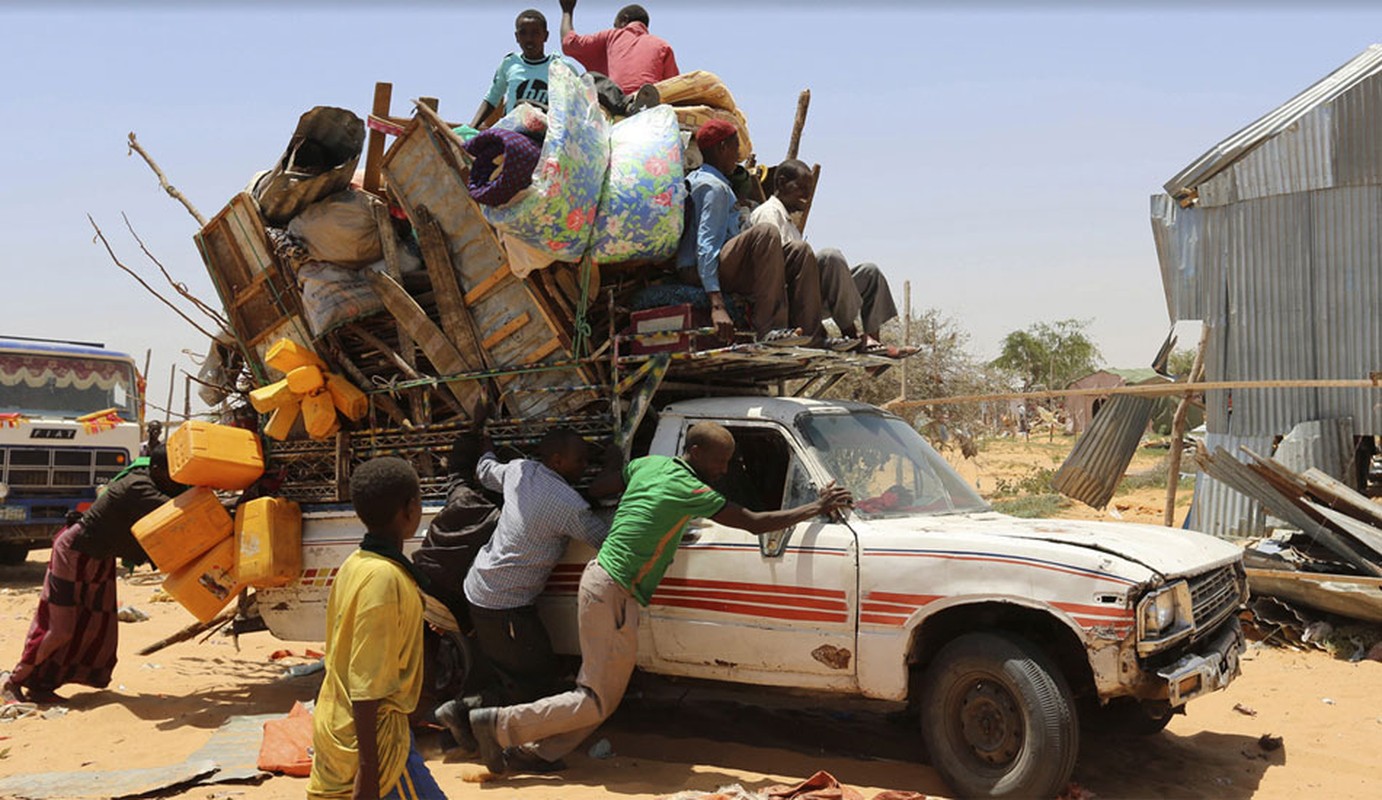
x=1272 y=238
x=1082 y=409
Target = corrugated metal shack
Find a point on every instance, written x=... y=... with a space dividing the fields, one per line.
x=1273 y=238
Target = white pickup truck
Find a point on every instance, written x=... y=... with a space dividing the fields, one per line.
x=1001 y=632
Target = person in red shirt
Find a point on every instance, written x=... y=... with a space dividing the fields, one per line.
x=625 y=61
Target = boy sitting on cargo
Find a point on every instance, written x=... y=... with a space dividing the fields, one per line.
x=361 y=741
x=522 y=76
x=847 y=294
x=720 y=255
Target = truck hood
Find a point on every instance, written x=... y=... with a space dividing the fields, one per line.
x=1170 y=552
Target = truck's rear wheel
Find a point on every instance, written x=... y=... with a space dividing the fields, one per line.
x=998 y=718
x=12 y=553
x=450 y=664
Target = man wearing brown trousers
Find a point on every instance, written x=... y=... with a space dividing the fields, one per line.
x=783 y=282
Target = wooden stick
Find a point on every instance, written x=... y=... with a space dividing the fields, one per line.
x=803 y=103
x=374 y=151
x=180 y=288
x=144 y=283
x=394 y=358
x=806 y=212
x=135 y=147
x=191 y=631
x=1178 y=430
x=1153 y=390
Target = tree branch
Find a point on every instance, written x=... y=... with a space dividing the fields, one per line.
x=181 y=288
x=145 y=284
x=135 y=147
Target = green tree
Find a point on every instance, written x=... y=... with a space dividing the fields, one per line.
x=1049 y=355
x=1180 y=362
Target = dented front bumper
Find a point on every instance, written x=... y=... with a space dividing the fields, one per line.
x=1212 y=665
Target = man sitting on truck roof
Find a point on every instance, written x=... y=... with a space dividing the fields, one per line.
x=663 y=495
x=625 y=61
x=541 y=513
x=361 y=743
x=522 y=76
x=848 y=294
x=719 y=254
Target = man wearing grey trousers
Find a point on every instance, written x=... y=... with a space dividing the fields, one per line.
x=848 y=295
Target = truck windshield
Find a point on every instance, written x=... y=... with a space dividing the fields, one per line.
x=887 y=465
x=65 y=387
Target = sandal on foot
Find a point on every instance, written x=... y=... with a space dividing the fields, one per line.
x=785 y=337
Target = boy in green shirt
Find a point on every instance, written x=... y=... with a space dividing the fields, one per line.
x=661 y=497
x=362 y=746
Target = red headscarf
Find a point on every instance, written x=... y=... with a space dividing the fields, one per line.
x=714 y=132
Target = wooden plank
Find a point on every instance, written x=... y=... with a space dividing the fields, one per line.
x=439 y=349
x=1361 y=532
x=506 y=331
x=543 y=351
x=487 y=285
x=1347 y=595
x=393 y=264
x=1341 y=497
x=374 y=150
x=455 y=320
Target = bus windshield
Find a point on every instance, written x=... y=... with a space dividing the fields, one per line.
x=887 y=465
x=58 y=386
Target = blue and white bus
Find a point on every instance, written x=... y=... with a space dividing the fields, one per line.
x=70 y=420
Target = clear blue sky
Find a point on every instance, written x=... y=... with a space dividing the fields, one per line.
x=1000 y=159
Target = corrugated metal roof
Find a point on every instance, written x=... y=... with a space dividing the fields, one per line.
x=1219 y=509
x=1325 y=444
x=1095 y=466
x=1230 y=150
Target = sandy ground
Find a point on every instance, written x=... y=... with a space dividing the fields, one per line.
x=161 y=708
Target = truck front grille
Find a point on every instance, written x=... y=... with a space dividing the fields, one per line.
x=1215 y=594
x=51 y=468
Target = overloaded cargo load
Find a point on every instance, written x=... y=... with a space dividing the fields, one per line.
x=526 y=268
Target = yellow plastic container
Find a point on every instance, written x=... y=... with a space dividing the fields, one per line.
x=349 y=400
x=268 y=540
x=286 y=355
x=178 y=531
x=206 y=454
x=209 y=583
x=281 y=421
x=275 y=395
x=305 y=379
x=319 y=415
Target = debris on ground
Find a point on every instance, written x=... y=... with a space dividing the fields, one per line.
x=128 y=613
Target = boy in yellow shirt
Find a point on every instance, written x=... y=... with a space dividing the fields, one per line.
x=362 y=746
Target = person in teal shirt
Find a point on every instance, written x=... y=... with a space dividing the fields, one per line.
x=522 y=76
x=661 y=497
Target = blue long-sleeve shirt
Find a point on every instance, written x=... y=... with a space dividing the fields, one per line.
x=713 y=222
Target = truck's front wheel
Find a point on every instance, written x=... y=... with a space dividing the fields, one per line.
x=998 y=718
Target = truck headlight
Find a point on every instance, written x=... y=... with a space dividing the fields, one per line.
x=1164 y=616
x=4 y=491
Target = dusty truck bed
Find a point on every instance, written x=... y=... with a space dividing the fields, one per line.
x=161 y=708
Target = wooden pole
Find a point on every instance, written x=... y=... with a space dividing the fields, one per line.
x=168 y=409
x=803 y=103
x=1178 y=431
x=1155 y=390
x=144 y=396
x=906 y=331
x=187 y=397
x=374 y=153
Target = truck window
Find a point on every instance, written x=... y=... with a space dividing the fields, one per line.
x=886 y=465
x=757 y=476
x=53 y=386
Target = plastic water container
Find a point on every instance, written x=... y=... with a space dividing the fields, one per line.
x=203 y=453
x=183 y=528
x=268 y=540
x=209 y=583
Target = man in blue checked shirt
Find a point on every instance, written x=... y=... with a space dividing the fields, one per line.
x=541 y=512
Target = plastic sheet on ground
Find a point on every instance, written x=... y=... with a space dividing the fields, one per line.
x=230 y=755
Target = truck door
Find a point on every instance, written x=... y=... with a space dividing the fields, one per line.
x=783 y=602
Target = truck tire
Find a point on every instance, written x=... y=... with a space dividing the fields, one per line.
x=998 y=718
x=450 y=664
x=12 y=554
x=1125 y=716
